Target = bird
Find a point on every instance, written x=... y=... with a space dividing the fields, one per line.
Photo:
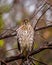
x=25 y=36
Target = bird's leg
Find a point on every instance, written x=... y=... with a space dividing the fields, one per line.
x=32 y=45
x=18 y=45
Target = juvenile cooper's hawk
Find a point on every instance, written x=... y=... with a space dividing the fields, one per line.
x=25 y=35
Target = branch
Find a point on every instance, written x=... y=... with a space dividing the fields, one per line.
x=42 y=28
x=32 y=58
x=49 y=46
x=34 y=14
x=12 y=35
x=2 y=62
x=21 y=56
x=13 y=58
x=41 y=16
x=7 y=36
x=48 y=2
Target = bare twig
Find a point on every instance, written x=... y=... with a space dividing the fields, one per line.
x=41 y=16
x=3 y=62
x=13 y=58
x=7 y=36
x=32 y=61
x=6 y=30
x=37 y=61
x=40 y=49
x=42 y=28
x=34 y=14
x=12 y=49
x=48 y=2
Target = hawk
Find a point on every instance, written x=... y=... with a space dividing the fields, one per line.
x=25 y=36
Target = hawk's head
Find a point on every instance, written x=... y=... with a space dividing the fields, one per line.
x=25 y=21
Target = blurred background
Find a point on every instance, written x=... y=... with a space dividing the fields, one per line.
x=12 y=13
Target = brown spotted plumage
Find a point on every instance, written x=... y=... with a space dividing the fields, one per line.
x=25 y=34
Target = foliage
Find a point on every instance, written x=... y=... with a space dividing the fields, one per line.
x=1 y=43
x=1 y=23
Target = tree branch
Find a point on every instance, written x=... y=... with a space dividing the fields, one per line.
x=21 y=56
x=7 y=36
x=34 y=14
x=41 y=16
x=49 y=46
x=12 y=35
x=37 y=60
x=42 y=28
x=48 y=2
x=13 y=58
